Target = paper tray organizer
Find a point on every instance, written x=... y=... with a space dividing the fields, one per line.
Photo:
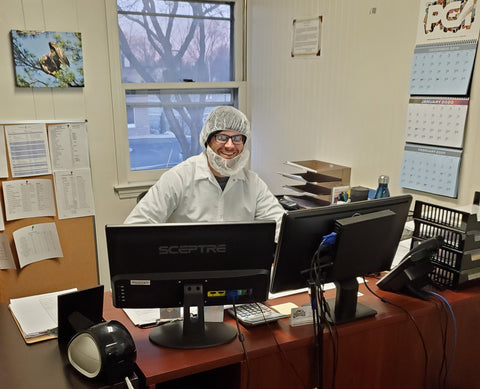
x=458 y=260
x=317 y=182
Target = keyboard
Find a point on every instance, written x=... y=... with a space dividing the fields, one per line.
x=255 y=314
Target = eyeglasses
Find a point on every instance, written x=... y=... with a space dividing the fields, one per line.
x=222 y=139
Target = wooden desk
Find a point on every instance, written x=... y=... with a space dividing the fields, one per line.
x=384 y=351
x=380 y=352
x=38 y=365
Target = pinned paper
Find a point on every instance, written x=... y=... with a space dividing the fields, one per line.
x=37 y=242
x=6 y=256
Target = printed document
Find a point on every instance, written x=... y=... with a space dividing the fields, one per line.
x=28 y=149
x=6 y=256
x=74 y=193
x=37 y=242
x=28 y=198
x=3 y=155
x=37 y=315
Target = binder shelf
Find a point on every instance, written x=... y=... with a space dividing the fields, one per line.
x=316 y=182
x=458 y=260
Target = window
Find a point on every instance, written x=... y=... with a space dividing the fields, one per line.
x=175 y=61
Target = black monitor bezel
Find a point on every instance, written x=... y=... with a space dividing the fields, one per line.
x=295 y=249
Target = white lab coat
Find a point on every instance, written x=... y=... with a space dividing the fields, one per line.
x=189 y=192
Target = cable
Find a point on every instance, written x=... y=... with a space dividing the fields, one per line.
x=241 y=338
x=285 y=356
x=444 y=331
x=323 y=315
x=128 y=383
x=384 y=300
x=327 y=320
x=282 y=351
x=454 y=341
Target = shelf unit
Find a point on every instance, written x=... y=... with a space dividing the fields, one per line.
x=457 y=262
x=316 y=182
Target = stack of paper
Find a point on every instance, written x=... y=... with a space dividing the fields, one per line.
x=37 y=315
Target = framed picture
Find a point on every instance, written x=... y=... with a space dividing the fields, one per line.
x=44 y=59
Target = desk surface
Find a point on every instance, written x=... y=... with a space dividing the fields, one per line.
x=37 y=365
x=378 y=352
x=383 y=349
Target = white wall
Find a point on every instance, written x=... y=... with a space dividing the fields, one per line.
x=348 y=107
x=93 y=102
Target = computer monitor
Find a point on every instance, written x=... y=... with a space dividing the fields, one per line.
x=368 y=235
x=190 y=265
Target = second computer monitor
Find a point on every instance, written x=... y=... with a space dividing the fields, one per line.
x=369 y=233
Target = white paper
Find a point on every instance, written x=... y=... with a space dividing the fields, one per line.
x=2 y=223
x=328 y=286
x=402 y=250
x=6 y=256
x=3 y=155
x=294 y=177
x=143 y=316
x=37 y=242
x=74 y=193
x=306 y=37
x=37 y=315
x=68 y=146
x=290 y=163
x=28 y=150
x=28 y=198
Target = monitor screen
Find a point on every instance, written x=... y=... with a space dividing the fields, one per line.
x=190 y=265
x=365 y=244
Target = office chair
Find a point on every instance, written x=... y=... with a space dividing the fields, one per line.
x=140 y=196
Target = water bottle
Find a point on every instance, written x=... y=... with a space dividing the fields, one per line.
x=382 y=190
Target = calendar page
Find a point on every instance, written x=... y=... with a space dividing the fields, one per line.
x=447 y=21
x=431 y=169
x=442 y=69
x=438 y=121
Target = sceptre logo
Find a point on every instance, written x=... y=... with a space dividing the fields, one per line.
x=194 y=248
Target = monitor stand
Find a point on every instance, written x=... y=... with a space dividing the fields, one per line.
x=344 y=307
x=193 y=332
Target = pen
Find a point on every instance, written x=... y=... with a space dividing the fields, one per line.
x=150 y=325
x=157 y=323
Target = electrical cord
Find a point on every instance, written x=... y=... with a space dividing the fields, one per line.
x=128 y=383
x=241 y=338
x=327 y=319
x=282 y=351
x=454 y=341
x=322 y=259
x=285 y=356
x=386 y=301
x=443 y=324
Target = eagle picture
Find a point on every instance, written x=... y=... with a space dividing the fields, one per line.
x=51 y=62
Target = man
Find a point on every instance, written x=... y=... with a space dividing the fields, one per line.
x=215 y=185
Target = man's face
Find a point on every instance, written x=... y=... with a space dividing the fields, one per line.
x=227 y=148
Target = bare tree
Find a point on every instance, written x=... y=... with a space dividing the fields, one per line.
x=165 y=52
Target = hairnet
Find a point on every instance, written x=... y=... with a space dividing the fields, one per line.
x=224 y=118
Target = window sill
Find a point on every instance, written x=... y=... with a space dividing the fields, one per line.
x=132 y=190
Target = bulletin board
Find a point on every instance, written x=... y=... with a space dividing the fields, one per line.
x=76 y=269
